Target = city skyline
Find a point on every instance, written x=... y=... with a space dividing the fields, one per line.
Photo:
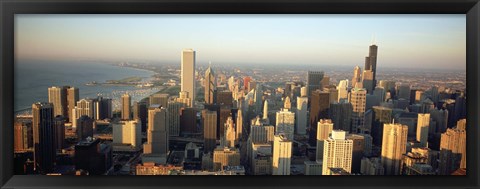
x=423 y=41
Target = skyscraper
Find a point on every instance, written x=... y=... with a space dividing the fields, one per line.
x=188 y=73
x=159 y=98
x=287 y=104
x=358 y=150
x=319 y=107
x=239 y=126
x=209 y=121
x=126 y=101
x=381 y=115
x=357 y=77
x=174 y=110
x=229 y=136
x=453 y=151
x=341 y=115
x=285 y=123
x=43 y=137
x=367 y=81
x=325 y=127
x=282 y=153
x=58 y=97
x=422 y=129
x=59 y=128
x=342 y=89
x=337 y=152
x=127 y=132
x=183 y=97
x=72 y=98
x=140 y=112
x=371 y=62
x=84 y=107
x=313 y=81
x=85 y=127
x=156 y=147
x=225 y=157
x=301 y=115
x=22 y=135
x=358 y=99
x=394 y=145
x=210 y=85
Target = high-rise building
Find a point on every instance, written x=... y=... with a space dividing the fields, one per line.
x=72 y=98
x=85 y=126
x=126 y=102
x=342 y=89
x=103 y=108
x=287 y=104
x=127 y=132
x=159 y=98
x=314 y=79
x=319 y=107
x=453 y=151
x=341 y=114
x=58 y=97
x=325 y=127
x=404 y=91
x=239 y=126
x=224 y=98
x=84 y=107
x=156 y=147
x=43 y=137
x=229 y=136
x=394 y=145
x=140 y=112
x=210 y=85
x=93 y=156
x=301 y=115
x=261 y=159
x=372 y=166
x=188 y=120
x=59 y=124
x=188 y=73
x=381 y=115
x=367 y=81
x=379 y=92
x=371 y=62
x=174 y=109
x=358 y=99
x=183 y=97
x=389 y=87
x=225 y=157
x=22 y=135
x=209 y=121
x=337 y=152
x=260 y=133
x=285 y=123
x=357 y=77
x=358 y=150
x=422 y=129
x=282 y=153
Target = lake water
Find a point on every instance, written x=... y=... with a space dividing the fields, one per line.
x=34 y=77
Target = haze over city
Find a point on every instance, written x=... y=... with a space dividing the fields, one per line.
x=422 y=41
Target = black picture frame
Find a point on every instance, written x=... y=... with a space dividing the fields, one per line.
x=10 y=7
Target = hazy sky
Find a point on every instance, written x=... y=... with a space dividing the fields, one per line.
x=403 y=40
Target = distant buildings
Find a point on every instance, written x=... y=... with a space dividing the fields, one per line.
x=313 y=81
x=127 y=132
x=225 y=157
x=285 y=123
x=160 y=99
x=453 y=153
x=358 y=101
x=93 y=156
x=210 y=86
x=319 y=107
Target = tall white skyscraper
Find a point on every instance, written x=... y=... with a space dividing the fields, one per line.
x=422 y=129
x=188 y=73
x=282 y=153
x=302 y=103
x=285 y=123
x=337 y=152
x=394 y=145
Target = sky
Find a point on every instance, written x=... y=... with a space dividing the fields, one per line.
x=423 y=41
